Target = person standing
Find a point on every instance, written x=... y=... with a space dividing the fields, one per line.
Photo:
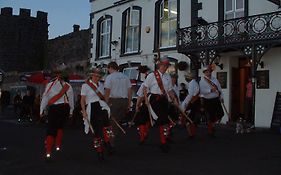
x=159 y=84
x=249 y=102
x=118 y=94
x=183 y=92
x=142 y=119
x=17 y=104
x=97 y=113
x=58 y=101
x=192 y=103
x=211 y=93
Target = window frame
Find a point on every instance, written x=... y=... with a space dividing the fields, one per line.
x=99 y=45
x=126 y=24
x=234 y=9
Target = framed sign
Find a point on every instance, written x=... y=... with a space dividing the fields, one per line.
x=263 y=79
x=222 y=78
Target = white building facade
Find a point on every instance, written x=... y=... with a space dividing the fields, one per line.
x=241 y=37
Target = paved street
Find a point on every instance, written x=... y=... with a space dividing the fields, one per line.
x=22 y=151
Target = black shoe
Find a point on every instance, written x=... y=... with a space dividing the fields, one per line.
x=141 y=143
x=165 y=148
x=100 y=156
x=109 y=148
x=170 y=140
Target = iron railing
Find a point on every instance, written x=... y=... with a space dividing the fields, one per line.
x=226 y=34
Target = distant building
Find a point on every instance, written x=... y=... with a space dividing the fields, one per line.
x=72 y=49
x=23 y=40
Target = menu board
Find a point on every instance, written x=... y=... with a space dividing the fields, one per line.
x=263 y=79
x=276 y=116
x=222 y=78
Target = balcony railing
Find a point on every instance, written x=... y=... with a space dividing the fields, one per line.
x=235 y=32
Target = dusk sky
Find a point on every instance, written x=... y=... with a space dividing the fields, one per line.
x=62 y=14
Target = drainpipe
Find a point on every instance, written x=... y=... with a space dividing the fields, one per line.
x=254 y=77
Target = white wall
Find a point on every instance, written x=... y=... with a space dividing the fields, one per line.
x=265 y=98
x=209 y=10
x=259 y=7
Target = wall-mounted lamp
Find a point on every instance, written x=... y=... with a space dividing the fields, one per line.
x=261 y=64
x=147 y=29
x=220 y=66
x=217 y=62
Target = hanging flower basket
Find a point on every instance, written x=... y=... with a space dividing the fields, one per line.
x=182 y=66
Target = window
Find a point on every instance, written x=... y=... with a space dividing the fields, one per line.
x=167 y=23
x=234 y=9
x=131 y=30
x=104 y=37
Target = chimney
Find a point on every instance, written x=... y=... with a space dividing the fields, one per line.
x=76 y=28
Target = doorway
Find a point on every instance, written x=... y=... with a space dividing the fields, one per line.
x=240 y=78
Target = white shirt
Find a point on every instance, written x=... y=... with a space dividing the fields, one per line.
x=176 y=90
x=140 y=91
x=193 y=90
x=118 y=84
x=54 y=90
x=151 y=83
x=90 y=94
x=205 y=88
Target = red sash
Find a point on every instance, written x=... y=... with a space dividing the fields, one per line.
x=95 y=89
x=194 y=98
x=212 y=84
x=159 y=82
x=59 y=95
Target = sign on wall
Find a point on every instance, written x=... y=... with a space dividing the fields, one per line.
x=222 y=78
x=263 y=79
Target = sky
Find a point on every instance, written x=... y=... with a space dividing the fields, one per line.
x=62 y=14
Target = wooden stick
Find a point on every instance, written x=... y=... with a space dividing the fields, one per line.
x=228 y=115
x=118 y=125
x=184 y=114
x=90 y=125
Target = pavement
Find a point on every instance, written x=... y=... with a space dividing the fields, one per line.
x=255 y=153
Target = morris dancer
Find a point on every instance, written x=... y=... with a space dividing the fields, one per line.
x=142 y=120
x=58 y=98
x=192 y=103
x=97 y=113
x=211 y=92
x=159 y=84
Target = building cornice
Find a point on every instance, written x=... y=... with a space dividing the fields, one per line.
x=115 y=4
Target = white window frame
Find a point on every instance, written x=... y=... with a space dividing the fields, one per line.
x=134 y=27
x=106 y=33
x=234 y=9
x=170 y=19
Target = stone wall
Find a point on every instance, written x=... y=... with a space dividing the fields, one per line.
x=23 y=40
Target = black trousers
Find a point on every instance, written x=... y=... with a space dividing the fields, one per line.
x=160 y=106
x=57 y=115
x=99 y=118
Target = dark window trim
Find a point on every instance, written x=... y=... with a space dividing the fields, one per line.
x=157 y=27
x=123 y=29
x=98 y=37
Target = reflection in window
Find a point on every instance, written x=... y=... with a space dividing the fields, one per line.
x=168 y=23
x=234 y=9
x=132 y=30
x=105 y=32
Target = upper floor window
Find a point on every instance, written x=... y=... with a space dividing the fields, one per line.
x=234 y=9
x=104 y=37
x=131 y=30
x=167 y=23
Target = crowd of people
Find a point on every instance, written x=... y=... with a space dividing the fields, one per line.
x=160 y=103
